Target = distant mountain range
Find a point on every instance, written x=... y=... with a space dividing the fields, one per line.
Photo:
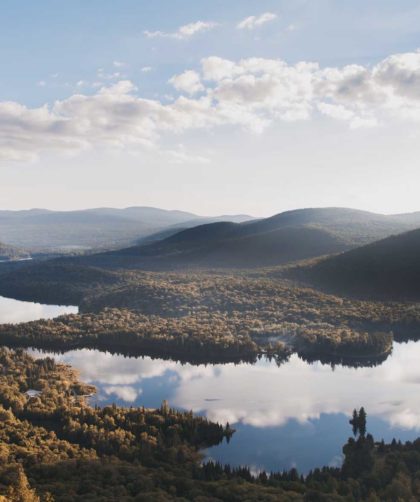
x=388 y=269
x=102 y=228
x=286 y=237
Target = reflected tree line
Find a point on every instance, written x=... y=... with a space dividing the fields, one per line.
x=204 y=317
x=54 y=446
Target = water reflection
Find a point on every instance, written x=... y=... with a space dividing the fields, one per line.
x=13 y=311
x=295 y=414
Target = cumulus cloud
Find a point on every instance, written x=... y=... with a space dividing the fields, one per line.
x=189 y=82
x=363 y=96
x=183 y=32
x=250 y=93
x=253 y=22
x=401 y=74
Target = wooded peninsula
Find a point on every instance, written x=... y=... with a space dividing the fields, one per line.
x=203 y=317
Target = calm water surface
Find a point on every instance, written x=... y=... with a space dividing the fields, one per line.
x=13 y=311
x=292 y=415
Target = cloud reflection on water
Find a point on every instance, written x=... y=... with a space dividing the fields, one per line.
x=13 y=311
x=264 y=395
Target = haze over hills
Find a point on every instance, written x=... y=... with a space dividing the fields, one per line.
x=386 y=269
x=286 y=237
x=11 y=253
x=106 y=228
x=186 y=225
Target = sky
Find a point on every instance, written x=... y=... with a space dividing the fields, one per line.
x=212 y=107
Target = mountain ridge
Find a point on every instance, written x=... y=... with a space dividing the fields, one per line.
x=388 y=269
x=95 y=228
x=282 y=238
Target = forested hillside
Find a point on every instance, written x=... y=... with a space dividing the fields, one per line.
x=387 y=269
x=11 y=253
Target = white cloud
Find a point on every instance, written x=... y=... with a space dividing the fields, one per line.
x=119 y=64
x=189 y=82
x=253 y=22
x=363 y=122
x=250 y=93
x=184 y=32
x=338 y=112
x=181 y=156
x=108 y=76
x=215 y=68
x=125 y=392
x=146 y=69
x=401 y=73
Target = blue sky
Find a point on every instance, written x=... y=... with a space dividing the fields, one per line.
x=256 y=145
x=73 y=39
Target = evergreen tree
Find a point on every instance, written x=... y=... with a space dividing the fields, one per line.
x=355 y=422
x=362 y=422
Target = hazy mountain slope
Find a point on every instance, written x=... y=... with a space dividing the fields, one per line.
x=112 y=228
x=224 y=245
x=91 y=228
x=11 y=253
x=407 y=218
x=86 y=228
x=282 y=238
x=387 y=269
x=181 y=227
x=351 y=226
x=288 y=236
x=354 y=226
x=271 y=248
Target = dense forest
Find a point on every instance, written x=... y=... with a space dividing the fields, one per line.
x=55 y=447
x=195 y=316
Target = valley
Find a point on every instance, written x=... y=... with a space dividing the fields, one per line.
x=162 y=323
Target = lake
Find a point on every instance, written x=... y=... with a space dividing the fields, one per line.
x=13 y=311
x=295 y=415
